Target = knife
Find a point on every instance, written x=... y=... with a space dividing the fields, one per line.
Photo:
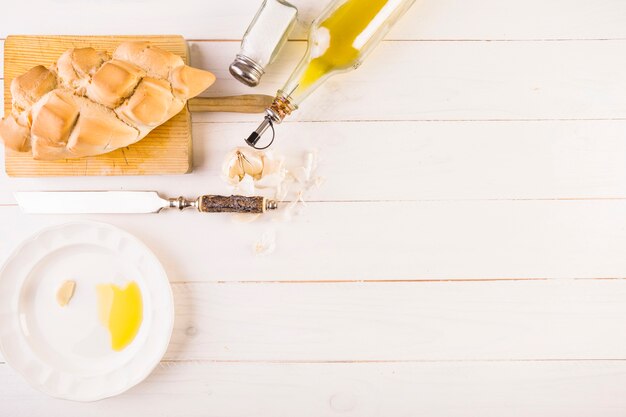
x=127 y=202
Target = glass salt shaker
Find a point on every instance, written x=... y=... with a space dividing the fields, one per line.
x=265 y=36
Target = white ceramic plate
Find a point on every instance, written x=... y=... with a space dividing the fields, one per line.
x=65 y=351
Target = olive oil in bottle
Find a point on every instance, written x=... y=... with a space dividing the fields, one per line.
x=339 y=40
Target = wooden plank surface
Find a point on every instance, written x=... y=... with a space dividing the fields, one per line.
x=451 y=81
x=395 y=241
x=428 y=19
x=448 y=81
x=463 y=159
x=166 y=150
x=413 y=161
x=540 y=320
x=572 y=71
x=490 y=389
x=414 y=321
x=533 y=119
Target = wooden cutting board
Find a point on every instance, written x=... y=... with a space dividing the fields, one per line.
x=166 y=150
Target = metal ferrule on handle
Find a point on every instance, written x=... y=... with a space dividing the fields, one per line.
x=182 y=203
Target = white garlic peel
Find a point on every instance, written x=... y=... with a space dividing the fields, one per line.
x=251 y=172
x=290 y=209
x=287 y=180
x=267 y=244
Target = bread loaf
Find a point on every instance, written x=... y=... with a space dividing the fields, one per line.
x=89 y=103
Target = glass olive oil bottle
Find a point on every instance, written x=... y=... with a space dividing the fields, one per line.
x=339 y=40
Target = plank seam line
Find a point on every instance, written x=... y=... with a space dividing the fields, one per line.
x=424 y=40
x=459 y=200
x=392 y=281
x=539 y=120
x=613 y=119
x=166 y=363
x=433 y=40
x=170 y=362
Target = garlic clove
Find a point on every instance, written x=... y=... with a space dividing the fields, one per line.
x=65 y=292
x=241 y=162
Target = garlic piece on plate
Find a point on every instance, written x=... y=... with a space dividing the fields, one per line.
x=242 y=162
x=65 y=292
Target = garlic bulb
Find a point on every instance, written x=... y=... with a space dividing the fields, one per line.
x=241 y=162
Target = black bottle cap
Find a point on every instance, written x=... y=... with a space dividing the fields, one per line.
x=253 y=139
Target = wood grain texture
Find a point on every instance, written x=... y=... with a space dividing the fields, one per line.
x=446 y=81
x=414 y=321
x=245 y=103
x=406 y=161
x=488 y=389
x=427 y=20
x=455 y=119
x=542 y=320
x=166 y=150
x=454 y=81
x=378 y=240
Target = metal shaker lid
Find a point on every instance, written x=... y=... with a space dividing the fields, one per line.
x=263 y=39
x=246 y=70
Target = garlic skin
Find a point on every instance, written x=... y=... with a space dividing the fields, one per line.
x=246 y=186
x=242 y=162
x=273 y=173
x=288 y=180
x=266 y=245
x=251 y=172
x=304 y=174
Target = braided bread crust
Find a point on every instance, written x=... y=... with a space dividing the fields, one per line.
x=89 y=103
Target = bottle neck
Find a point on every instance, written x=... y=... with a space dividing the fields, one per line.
x=282 y=107
x=275 y=113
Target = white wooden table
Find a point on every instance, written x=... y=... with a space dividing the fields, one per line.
x=466 y=255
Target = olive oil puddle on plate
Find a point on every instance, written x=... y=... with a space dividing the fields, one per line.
x=120 y=310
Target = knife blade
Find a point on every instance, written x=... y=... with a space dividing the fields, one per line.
x=133 y=202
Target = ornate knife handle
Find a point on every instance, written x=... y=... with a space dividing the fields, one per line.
x=225 y=204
